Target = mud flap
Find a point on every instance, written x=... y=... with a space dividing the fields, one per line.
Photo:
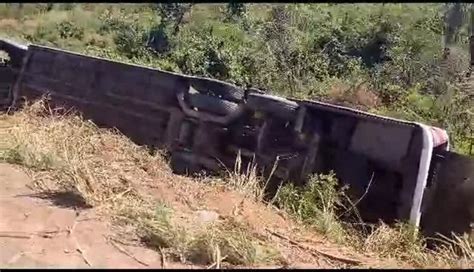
x=448 y=205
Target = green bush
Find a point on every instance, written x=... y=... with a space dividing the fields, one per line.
x=68 y=29
x=298 y=50
x=315 y=204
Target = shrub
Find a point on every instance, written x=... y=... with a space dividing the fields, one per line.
x=315 y=204
x=68 y=29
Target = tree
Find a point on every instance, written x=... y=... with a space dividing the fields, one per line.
x=172 y=14
x=171 y=17
x=454 y=18
x=236 y=10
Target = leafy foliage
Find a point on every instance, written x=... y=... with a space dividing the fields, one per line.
x=301 y=50
x=315 y=204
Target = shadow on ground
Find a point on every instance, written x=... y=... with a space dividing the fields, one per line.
x=62 y=199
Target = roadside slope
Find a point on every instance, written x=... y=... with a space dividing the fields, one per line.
x=137 y=204
x=38 y=231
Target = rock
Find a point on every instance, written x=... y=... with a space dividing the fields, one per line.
x=206 y=217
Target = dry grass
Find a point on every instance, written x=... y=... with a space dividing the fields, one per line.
x=246 y=181
x=402 y=242
x=66 y=154
x=69 y=154
x=358 y=95
x=316 y=205
x=232 y=242
x=392 y=242
x=204 y=244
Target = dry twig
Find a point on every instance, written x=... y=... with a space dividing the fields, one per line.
x=163 y=259
x=28 y=235
x=14 y=235
x=121 y=249
x=314 y=251
x=79 y=249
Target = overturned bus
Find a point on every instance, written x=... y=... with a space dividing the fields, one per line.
x=404 y=170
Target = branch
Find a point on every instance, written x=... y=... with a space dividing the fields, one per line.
x=315 y=252
x=363 y=195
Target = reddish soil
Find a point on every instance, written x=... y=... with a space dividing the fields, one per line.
x=39 y=232
x=36 y=233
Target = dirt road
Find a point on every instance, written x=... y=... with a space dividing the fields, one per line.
x=34 y=233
